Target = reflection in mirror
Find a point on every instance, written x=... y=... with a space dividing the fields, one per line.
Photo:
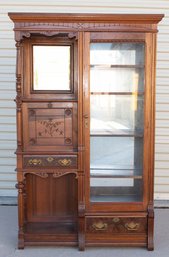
x=51 y=67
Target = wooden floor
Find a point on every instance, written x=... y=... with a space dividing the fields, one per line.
x=8 y=241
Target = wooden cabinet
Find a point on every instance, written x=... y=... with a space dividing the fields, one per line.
x=85 y=128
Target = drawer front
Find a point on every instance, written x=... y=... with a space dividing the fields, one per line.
x=59 y=161
x=116 y=225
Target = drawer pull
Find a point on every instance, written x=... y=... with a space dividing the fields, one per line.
x=35 y=162
x=132 y=226
x=65 y=162
x=99 y=225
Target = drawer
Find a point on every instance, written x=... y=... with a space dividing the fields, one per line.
x=57 y=161
x=116 y=224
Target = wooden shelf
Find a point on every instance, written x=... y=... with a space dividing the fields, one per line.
x=112 y=66
x=119 y=134
x=116 y=198
x=118 y=93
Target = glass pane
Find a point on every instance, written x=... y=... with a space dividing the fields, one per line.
x=116 y=190
x=51 y=67
x=116 y=174
x=116 y=114
x=117 y=79
x=122 y=155
x=117 y=53
x=116 y=122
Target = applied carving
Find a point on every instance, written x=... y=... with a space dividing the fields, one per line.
x=50 y=127
x=18 y=101
x=58 y=174
x=20 y=186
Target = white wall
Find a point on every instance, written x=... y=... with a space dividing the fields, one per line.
x=7 y=79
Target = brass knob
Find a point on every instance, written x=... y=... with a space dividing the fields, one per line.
x=65 y=162
x=132 y=226
x=35 y=162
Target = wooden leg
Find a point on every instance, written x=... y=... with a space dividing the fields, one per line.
x=150 y=243
x=20 y=186
x=21 y=239
x=81 y=234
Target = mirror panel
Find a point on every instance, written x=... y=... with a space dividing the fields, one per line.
x=51 y=68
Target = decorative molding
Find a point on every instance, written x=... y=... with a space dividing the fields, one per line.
x=27 y=29
x=49 y=28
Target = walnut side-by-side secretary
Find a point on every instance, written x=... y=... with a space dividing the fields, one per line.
x=85 y=128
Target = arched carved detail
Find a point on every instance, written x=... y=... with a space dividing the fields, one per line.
x=39 y=174
x=55 y=174
x=58 y=174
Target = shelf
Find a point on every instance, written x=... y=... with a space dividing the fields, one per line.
x=114 y=173
x=116 y=198
x=114 y=134
x=118 y=93
x=112 y=66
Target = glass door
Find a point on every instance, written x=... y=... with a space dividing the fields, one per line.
x=116 y=121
